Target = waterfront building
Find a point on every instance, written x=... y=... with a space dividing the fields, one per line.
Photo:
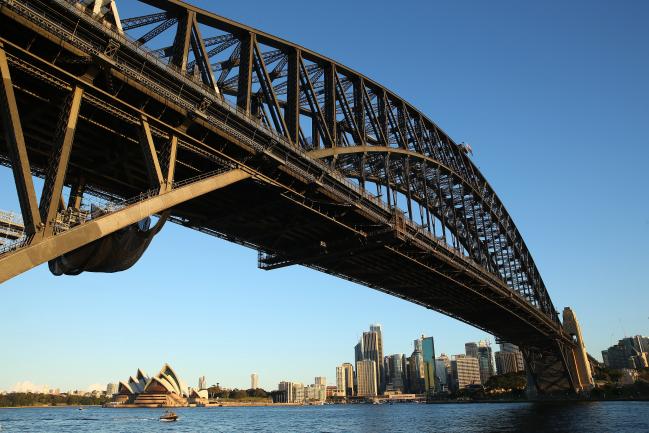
x=465 y=371
x=629 y=352
x=485 y=360
x=512 y=348
x=505 y=362
x=349 y=379
x=320 y=380
x=202 y=383
x=286 y=392
x=134 y=385
x=428 y=355
x=367 y=378
x=298 y=393
x=394 y=373
x=163 y=389
x=254 y=381
x=315 y=392
x=111 y=389
x=332 y=391
x=198 y=396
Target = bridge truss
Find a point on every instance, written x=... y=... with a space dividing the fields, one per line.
x=248 y=137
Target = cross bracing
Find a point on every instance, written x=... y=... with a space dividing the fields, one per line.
x=185 y=94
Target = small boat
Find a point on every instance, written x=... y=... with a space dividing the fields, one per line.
x=80 y=408
x=169 y=416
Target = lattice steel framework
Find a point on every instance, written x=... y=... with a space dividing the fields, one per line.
x=325 y=123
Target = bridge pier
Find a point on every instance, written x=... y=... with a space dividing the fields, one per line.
x=578 y=361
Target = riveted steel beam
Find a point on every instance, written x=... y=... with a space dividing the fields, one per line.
x=18 y=150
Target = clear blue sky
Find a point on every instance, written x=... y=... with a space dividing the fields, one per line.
x=554 y=98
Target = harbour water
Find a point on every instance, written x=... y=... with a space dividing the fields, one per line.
x=586 y=417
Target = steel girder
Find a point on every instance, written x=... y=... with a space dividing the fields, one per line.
x=290 y=95
x=320 y=104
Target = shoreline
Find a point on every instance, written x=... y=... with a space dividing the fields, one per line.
x=46 y=406
x=261 y=404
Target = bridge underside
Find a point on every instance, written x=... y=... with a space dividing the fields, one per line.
x=289 y=207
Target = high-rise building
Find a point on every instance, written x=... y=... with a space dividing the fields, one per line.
x=379 y=347
x=416 y=369
x=315 y=392
x=286 y=388
x=465 y=371
x=254 y=381
x=299 y=394
x=428 y=354
x=471 y=349
x=394 y=373
x=358 y=351
x=485 y=359
x=441 y=375
x=111 y=389
x=512 y=348
x=627 y=353
x=443 y=359
x=349 y=378
x=341 y=381
x=320 y=380
x=370 y=347
x=506 y=362
x=366 y=377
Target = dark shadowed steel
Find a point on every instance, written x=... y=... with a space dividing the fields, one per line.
x=325 y=167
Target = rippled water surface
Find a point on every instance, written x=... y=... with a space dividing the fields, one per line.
x=494 y=417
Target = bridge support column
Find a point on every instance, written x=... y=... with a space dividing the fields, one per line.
x=17 y=149
x=578 y=361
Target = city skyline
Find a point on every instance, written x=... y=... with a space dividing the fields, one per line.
x=521 y=127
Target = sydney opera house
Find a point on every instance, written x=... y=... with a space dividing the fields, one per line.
x=162 y=390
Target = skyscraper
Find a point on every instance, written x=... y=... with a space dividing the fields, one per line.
x=370 y=347
x=341 y=381
x=441 y=375
x=416 y=368
x=358 y=351
x=202 y=383
x=349 y=378
x=428 y=354
x=366 y=377
x=320 y=381
x=254 y=381
x=471 y=349
x=394 y=376
x=379 y=347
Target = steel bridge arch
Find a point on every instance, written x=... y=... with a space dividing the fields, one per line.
x=277 y=102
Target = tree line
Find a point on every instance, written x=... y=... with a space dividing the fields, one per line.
x=16 y=399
